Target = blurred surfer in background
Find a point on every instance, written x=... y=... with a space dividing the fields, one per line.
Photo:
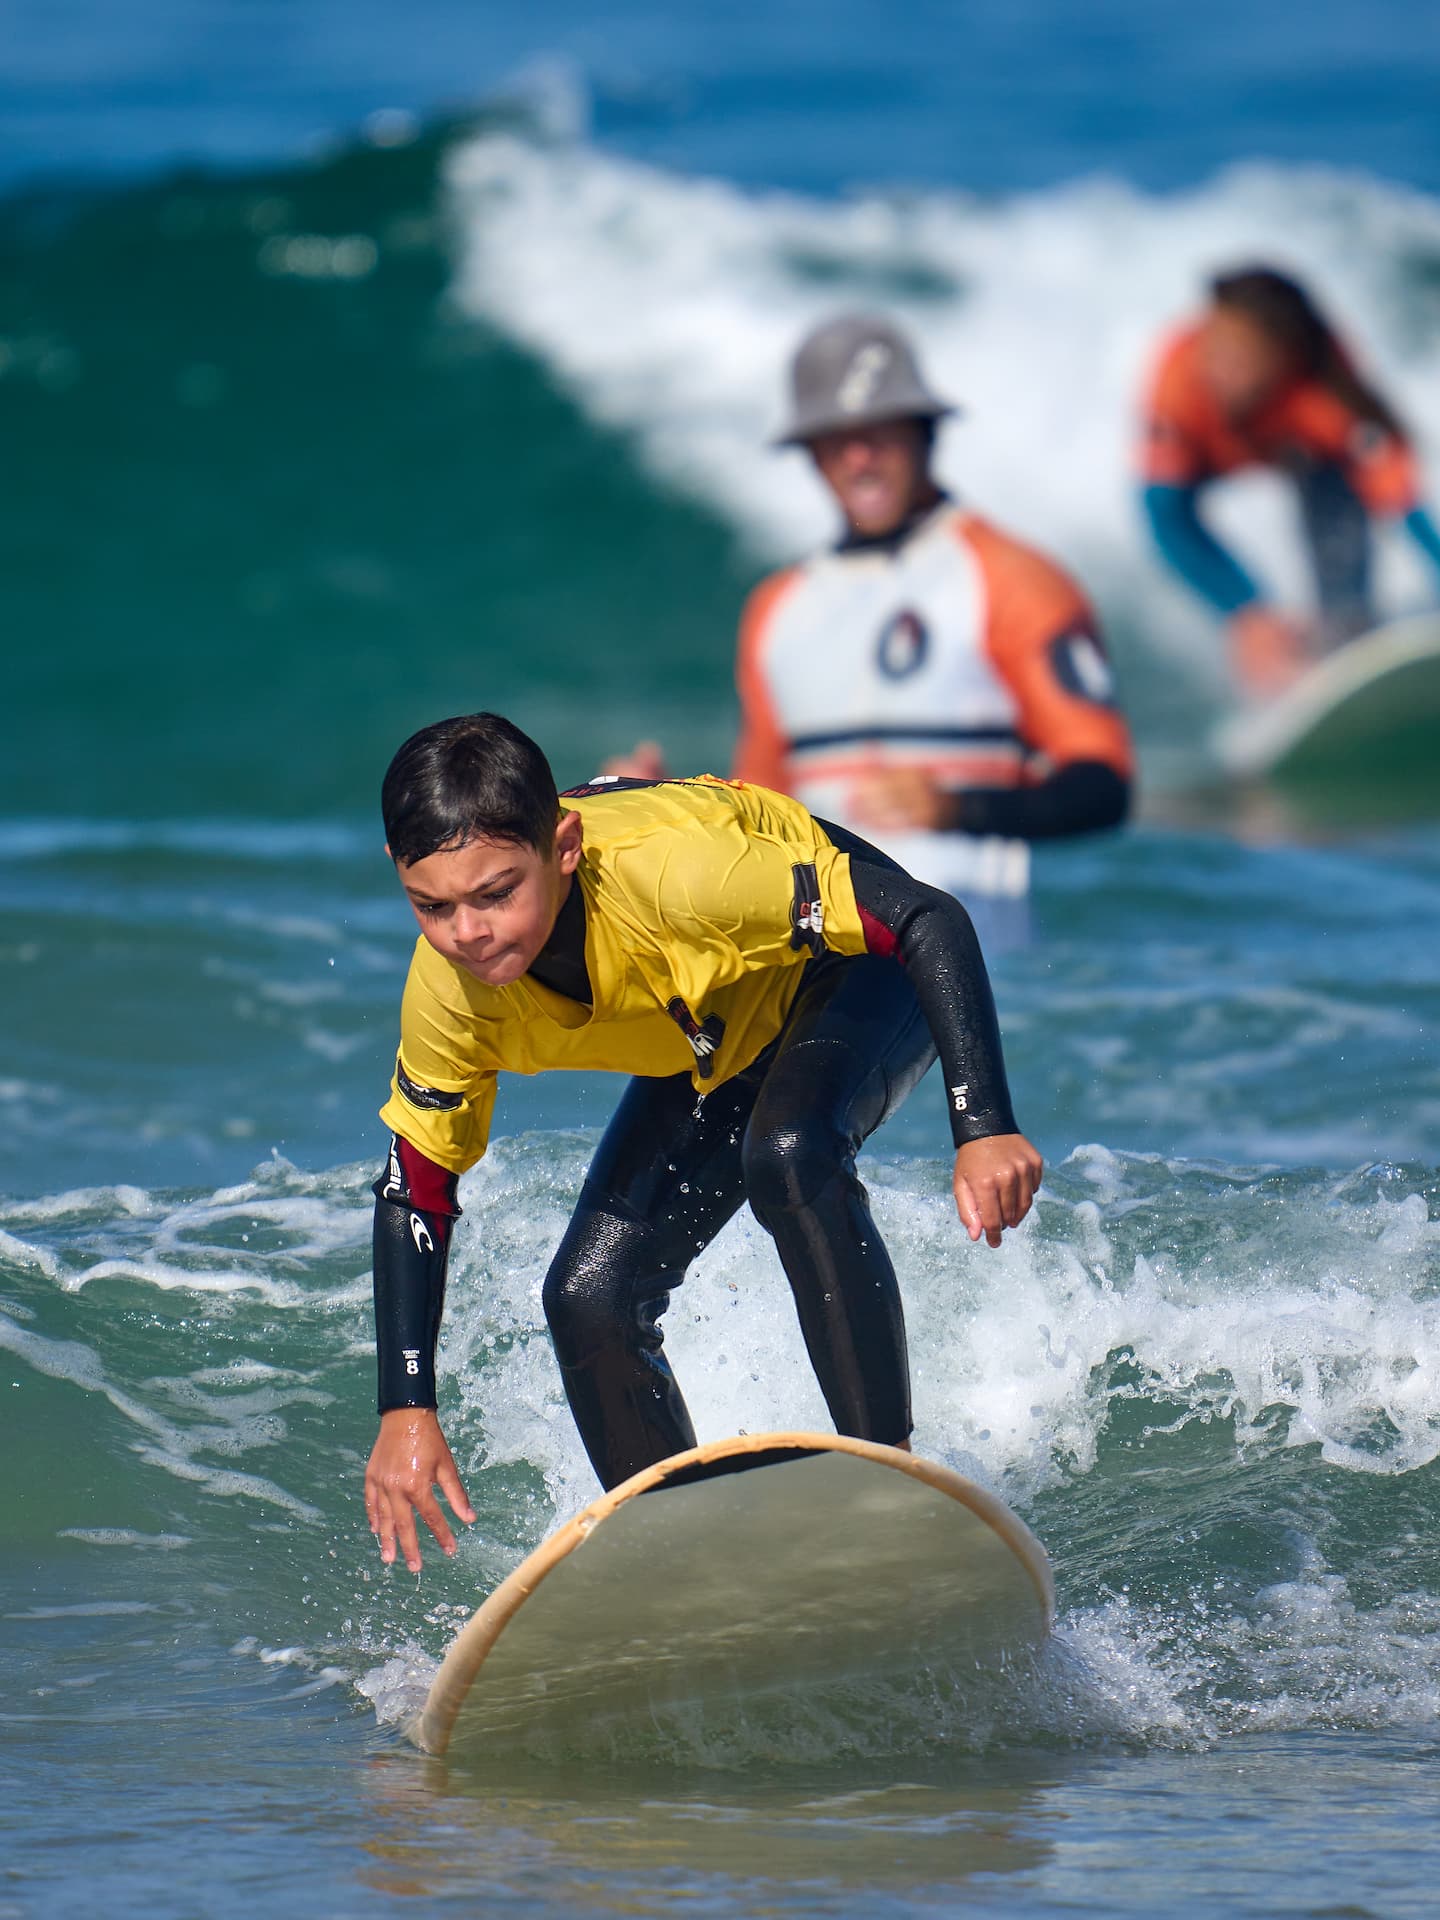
x=775 y=986
x=1262 y=380
x=929 y=680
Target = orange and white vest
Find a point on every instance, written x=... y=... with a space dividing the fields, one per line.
x=957 y=650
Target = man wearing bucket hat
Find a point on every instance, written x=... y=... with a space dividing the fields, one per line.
x=929 y=681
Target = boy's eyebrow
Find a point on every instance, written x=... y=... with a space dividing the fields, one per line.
x=487 y=885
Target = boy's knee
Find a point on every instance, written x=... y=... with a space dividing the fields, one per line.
x=786 y=1166
x=599 y=1294
x=573 y=1312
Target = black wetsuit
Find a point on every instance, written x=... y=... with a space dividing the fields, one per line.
x=671 y=1170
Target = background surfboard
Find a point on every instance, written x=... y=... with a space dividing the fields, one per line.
x=738 y=1570
x=1355 y=739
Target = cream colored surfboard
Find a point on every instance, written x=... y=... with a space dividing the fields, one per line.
x=738 y=1570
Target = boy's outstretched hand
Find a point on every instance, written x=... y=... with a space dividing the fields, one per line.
x=409 y=1460
x=995 y=1181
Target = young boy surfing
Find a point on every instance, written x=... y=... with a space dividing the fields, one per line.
x=775 y=986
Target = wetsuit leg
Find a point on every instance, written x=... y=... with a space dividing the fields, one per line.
x=854 y=1045
x=665 y=1180
x=1337 y=532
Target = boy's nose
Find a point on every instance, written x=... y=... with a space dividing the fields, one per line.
x=469 y=926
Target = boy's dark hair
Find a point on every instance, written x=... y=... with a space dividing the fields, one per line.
x=474 y=777
x=1287 y=313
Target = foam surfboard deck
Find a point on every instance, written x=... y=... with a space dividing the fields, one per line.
x=755 y=1564
x=1359 y=729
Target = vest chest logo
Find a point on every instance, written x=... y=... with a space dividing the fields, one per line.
x=903 y=645
x=704 y=1035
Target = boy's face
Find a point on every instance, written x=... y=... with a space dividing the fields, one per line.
x=490 y=905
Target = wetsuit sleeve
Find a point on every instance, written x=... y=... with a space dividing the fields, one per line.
x=760 y=751
x=1086 y=797
x=1187 y=544
x=933 y=938
x=415 y=1211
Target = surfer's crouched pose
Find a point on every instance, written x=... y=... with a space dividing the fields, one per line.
x=776 y=987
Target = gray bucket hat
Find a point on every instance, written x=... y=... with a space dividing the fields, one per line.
x=851 y=372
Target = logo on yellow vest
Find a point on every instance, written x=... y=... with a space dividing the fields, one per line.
x=704 y=1035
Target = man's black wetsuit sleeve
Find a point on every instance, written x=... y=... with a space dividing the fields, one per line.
x=932 y=936
x=1085 y=797
x=415 y=1210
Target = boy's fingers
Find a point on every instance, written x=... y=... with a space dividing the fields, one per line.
x=1006 y=1196
x=453 y=1489
x=968 y=1209
x=992 y=1208
x=428 y=1509
x=405 y=1535
x=385 y=1527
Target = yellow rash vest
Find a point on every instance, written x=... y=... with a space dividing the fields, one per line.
x=704 y=900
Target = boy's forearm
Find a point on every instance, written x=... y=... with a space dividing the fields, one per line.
x=415 y=1210
x=932 y=935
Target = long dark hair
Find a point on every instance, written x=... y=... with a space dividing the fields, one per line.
x=1285 y=312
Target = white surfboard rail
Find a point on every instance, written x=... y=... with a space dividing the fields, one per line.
x=1256 y=743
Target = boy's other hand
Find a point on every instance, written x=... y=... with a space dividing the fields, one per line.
x=995 y=1181
x=410 y=1459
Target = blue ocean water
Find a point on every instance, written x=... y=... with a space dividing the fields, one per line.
x=357 y=367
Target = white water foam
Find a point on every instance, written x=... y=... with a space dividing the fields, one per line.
x=1291 y=1310
x=1296 y=1308
x=259 y=1237
x=126 y=1537
x=1272 y=1315
x=668 y=306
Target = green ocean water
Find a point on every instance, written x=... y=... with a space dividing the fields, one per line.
x=307 y=456
x=273 y=517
